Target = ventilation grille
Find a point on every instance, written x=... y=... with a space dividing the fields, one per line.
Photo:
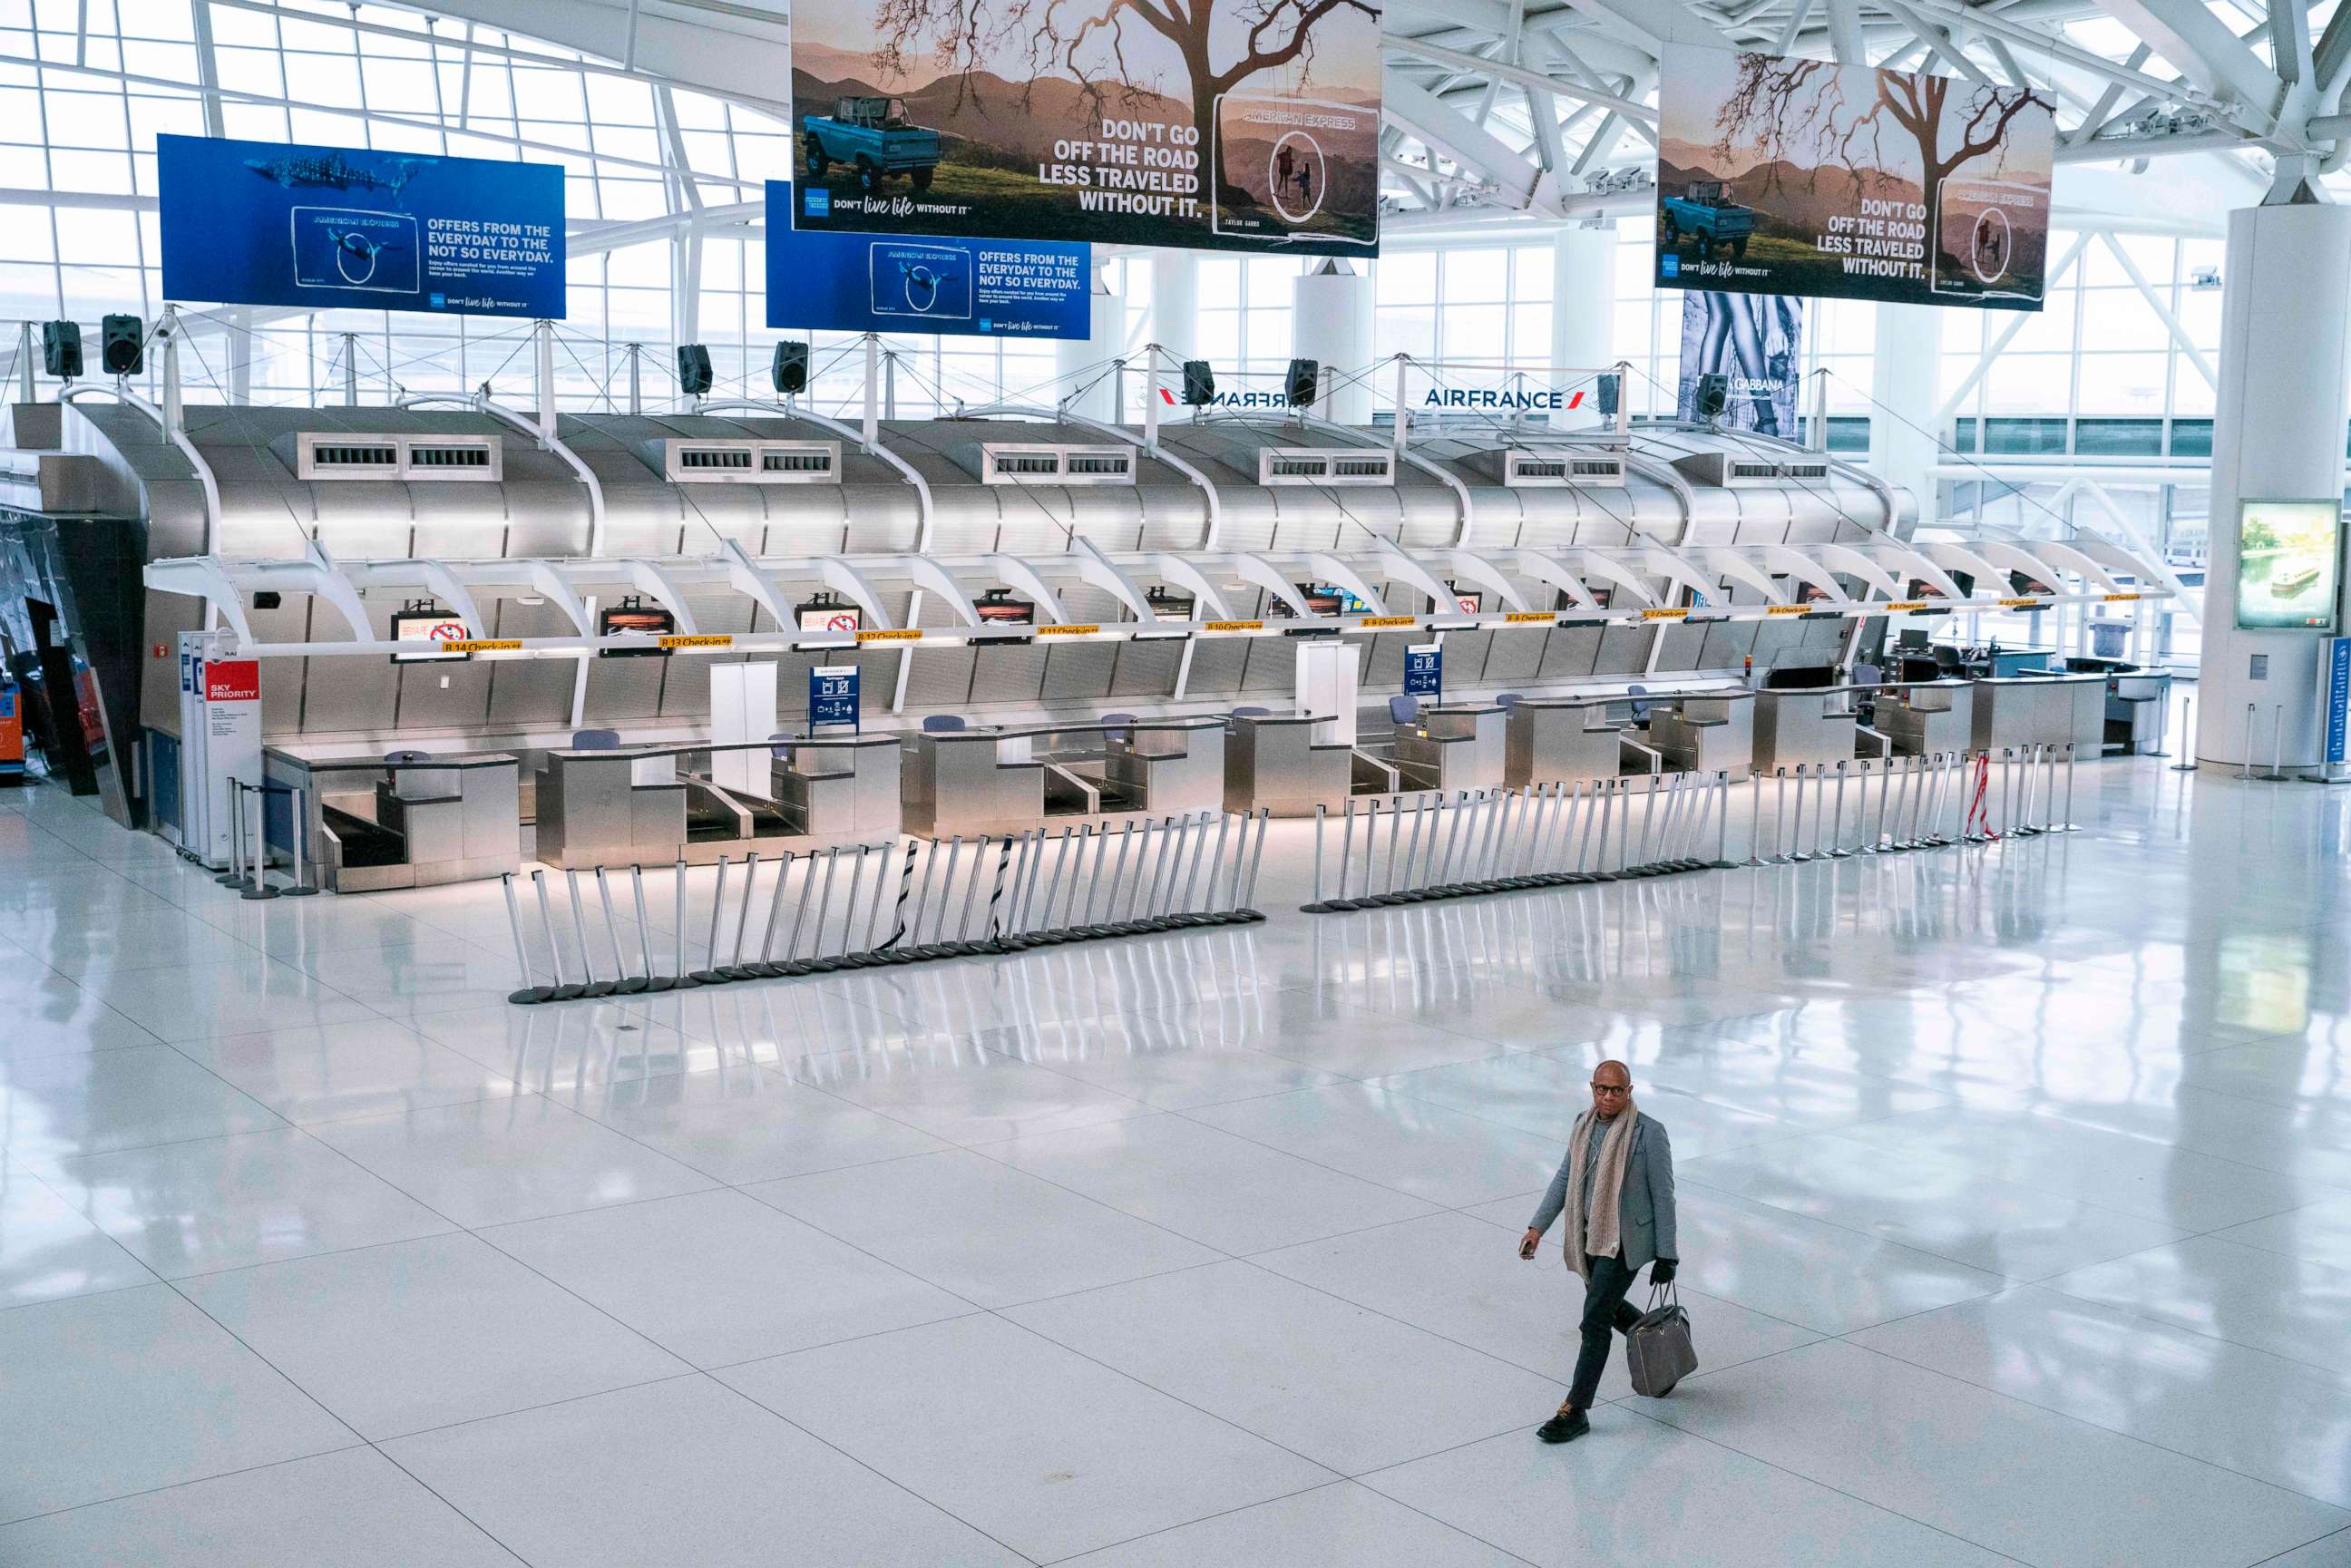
x=1722 y=470
x=746 y=462
x=1045 y=463
x=321 y=455
x=1550 y=468
x=1311 y=465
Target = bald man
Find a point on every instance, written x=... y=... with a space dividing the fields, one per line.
x=1617 y=1188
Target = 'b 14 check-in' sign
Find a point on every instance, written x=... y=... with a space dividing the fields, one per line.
x=833 y=695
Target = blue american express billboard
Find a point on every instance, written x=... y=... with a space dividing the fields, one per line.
x=825 y=282
x=329 y=228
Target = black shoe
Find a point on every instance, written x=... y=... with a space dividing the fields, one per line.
x=1564 y=1427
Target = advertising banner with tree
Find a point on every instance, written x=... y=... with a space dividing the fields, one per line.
x=1787 y=176
x=1226 y=124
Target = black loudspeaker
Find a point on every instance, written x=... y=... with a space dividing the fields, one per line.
x=694 y=370
x=790 y=368
x=122 y=346
x=1303 y=382
x=1199 y=383
x=62 y=348
x=1713 y=395
x=1606 y=392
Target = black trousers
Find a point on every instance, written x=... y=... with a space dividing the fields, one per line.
x=1606 y=1312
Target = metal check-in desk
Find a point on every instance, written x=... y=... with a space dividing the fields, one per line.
x=368 y=824
x=2013 y=712
x=610 y=808
x=1273 y=763
x=1807 y=727
x=973 y=781
x=1704 y=732
x=1166 y=764
x=1926 y=719
x=1552 y=740
x=1457 y=745
x=838 y=785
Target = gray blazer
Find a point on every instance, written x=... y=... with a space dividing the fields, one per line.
x=1645 y=1225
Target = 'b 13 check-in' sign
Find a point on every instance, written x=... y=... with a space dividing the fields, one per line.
x=833 y=695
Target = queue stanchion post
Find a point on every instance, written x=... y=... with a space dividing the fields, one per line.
x=623 y=983
x=306 y=883
x=531 y=991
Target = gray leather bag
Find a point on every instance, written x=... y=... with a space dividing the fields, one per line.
x=1657 y=1348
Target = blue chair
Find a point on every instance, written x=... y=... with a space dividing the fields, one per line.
x=595 y=740
x=1640 y=708
x=1251 y=711
x=779 y=744
x=943 y=722
x=408 y=757
x=1404 y=709
x=1508 y=701
x=1118 y=723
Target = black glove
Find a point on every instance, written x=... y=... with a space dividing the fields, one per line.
x=1661 y=1272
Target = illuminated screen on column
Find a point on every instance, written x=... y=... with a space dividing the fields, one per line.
x=2286 y=576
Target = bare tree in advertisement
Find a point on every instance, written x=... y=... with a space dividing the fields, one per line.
x=1824 y=179
x=1237 y=124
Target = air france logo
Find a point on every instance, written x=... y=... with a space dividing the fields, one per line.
x=1514 y=401
x=1235 y=399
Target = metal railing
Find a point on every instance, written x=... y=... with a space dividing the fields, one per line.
x=248 y=857
x=925 y=899
x=1886 y=805
x=1455 y=843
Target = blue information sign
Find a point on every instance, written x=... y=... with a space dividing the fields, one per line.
x=2338 y=700
x=326 y=228
x=1424 y=671
x=826 y=282
x=833 y=695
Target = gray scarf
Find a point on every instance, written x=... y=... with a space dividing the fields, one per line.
x=1615 y=1152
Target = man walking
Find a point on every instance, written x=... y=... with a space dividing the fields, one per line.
x=1617 y=1188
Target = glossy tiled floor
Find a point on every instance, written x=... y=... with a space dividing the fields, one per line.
x=2016 y=1207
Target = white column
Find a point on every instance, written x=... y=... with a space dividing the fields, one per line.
x=1331 y=311
x=2277 y=434
x=1582 y=316
x=1176 y=301
x=1904 y=374
x=1076 y=363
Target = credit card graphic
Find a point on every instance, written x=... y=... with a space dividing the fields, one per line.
x=351 y=247
x=932 y=280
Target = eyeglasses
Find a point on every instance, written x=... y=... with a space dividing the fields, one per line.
x=1612 y=1089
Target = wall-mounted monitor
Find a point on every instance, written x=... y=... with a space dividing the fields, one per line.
x=2287 y=553
x=997 y=607
x=830 y=615
x=1166 y=604
x=634 y=619
x=427 y=629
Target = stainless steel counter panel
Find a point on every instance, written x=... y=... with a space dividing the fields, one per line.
x=1169 y=764
x=1460 y=745
x=2017 y=711
x=1705 y=732
x=456 y=820
x=2135 y=703
x=842 y=786
x=1805 y=727
x=973 y=781
x=592 y=812
x=1926 y=719
x=1549 y=741
x=1272 y=763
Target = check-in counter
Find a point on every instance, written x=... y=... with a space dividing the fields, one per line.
x=1455 y=746
x=1273 y=763
x=2019 y=710
x=1166 y=764
x=973 y=781
x=612 y=807
x=1807 y=727
x=1925 y=718
x=2136 y=701
x=1704 y=732
x=838 y=785
x=368 y=824
x=1550 y=740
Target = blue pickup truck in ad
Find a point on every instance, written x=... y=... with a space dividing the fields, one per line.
x=872 y=136
x=1705 y=216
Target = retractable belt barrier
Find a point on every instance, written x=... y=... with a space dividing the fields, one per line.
x=248 y=858
x=1884 y=805
x=1466 y=841
x=921 y=901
